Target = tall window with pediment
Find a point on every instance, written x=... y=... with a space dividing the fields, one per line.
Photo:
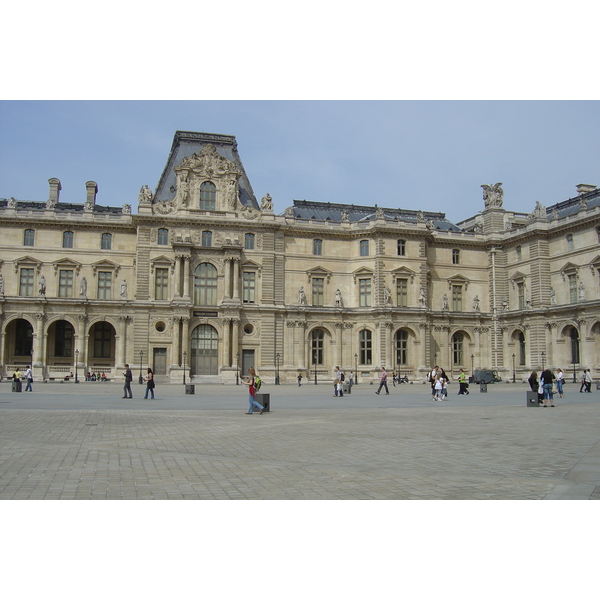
x=318 y=288
x=457 y=298
x=521 y=295
x=65 y=283
x=401 y=347
x=573 y=288
x=104 y=285
x=248 y=287
x=364 y=292
x=402 y=292
x=205 y=285
x=208 y=195
x=365 y=346
x=317 y=339
x=26 y=282
x=161 y=283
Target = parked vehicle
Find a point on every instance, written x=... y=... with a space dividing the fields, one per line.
x=486 y=376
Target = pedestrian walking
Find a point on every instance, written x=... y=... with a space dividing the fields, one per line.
x=383 y=382
x=588 y=381
x=29 y=379
x=149 y=379
x=438 y=386
x=547 y=377
x=463 y=384
x=299 y=380
x=431 y=377
x=337 y=382
x=128 y=379
x=252 y=403
x=582 y=379
x=560 y=379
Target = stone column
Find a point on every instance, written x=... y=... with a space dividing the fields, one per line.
x=235 y=330
x=236 y=278
x=186 y=277
x=226 y=326
x=185 y=336
x=178 y=276
x=338 y=344
x=227 y=280
x=120 y=343
x=2 y=360
x=176 y=342
x=38 y=343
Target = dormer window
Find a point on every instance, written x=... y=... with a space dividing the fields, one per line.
x=208 y=196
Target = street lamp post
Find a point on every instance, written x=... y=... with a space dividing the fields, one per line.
x=277 y=357
x=184 y=357
x=355 y=368
x=574 y=374
x=315 y=365
x=76 y=361
x=472 y=365
x=31 y=363
x=513 y=367
x=141 y=361
x=237 y=368
x=543 y=360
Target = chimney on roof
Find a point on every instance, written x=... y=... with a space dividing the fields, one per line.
x=584 y=188
x=92 y=190
x=55 y=188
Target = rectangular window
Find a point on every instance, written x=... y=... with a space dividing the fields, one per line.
x=248 y=287
x=106 y=241
x=65 y=283
x=207 y=239
x=318 y=289
x=104 y=281
x=26 y=282
x=249 y=241
x=402 y=292
x=317 y=247
x=161 y=284
x=521 y=295
x=28 y=237
x=364 y=247
x=573 y=288
x=163 y=237
x=401 y=247
x=455 y=257
x=364 y=291
x=67 y=239
x=519 y=253
x=457 y=298
x=570 y=243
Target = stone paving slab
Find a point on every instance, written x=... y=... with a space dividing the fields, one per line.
x=358 y=447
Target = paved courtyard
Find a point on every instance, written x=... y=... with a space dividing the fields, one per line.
x=84 y=442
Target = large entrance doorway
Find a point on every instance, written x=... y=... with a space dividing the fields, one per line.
x=204 y=358
x=160 y=361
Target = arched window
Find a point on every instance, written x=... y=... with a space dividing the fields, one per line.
x=205 y=285
x=163 y=237
x=574 y=346
x=28 y=237
x=207 y=239
x=249 y=241
x=208 y=196
x=521 y=338
x=365 y=346
x=205 y=351
x=457 y=348
x=401 y=347
x=106 y=241
x=67 y=239
x=317 y=338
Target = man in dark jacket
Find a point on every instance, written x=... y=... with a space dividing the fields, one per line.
x=128 y=379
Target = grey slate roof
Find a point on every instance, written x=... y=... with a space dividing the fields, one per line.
x=329 y=211
x=61 y=206
x=187 y=143
x=573 y=205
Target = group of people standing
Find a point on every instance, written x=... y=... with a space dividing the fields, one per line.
x=545 y=386
x=439 y=384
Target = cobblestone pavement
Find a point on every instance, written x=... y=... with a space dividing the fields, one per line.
x=310 y=446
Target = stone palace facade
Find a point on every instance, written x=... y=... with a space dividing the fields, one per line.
x=207 y=281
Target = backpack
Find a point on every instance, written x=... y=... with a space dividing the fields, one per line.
x=257 y=383
x=342 y=377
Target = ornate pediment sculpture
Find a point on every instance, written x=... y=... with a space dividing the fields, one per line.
x=492 y=195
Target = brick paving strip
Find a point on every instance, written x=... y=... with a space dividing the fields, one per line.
x=404 y=452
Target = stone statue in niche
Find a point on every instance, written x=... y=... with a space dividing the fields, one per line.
x=422 y=298
x=124 y=290
x=387 y=296
x=581 y=289
x=445 y=302
x=42 y=286
x=476 y=303
x=505 y=303
x=338 y=298
x=492 y=195
x=83 y=288
x=301 y=295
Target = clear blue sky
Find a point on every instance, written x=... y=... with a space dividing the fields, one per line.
x=430 y=155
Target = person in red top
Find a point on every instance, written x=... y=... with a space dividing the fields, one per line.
x=252 y=392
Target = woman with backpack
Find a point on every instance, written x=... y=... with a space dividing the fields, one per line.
x=252 y=392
